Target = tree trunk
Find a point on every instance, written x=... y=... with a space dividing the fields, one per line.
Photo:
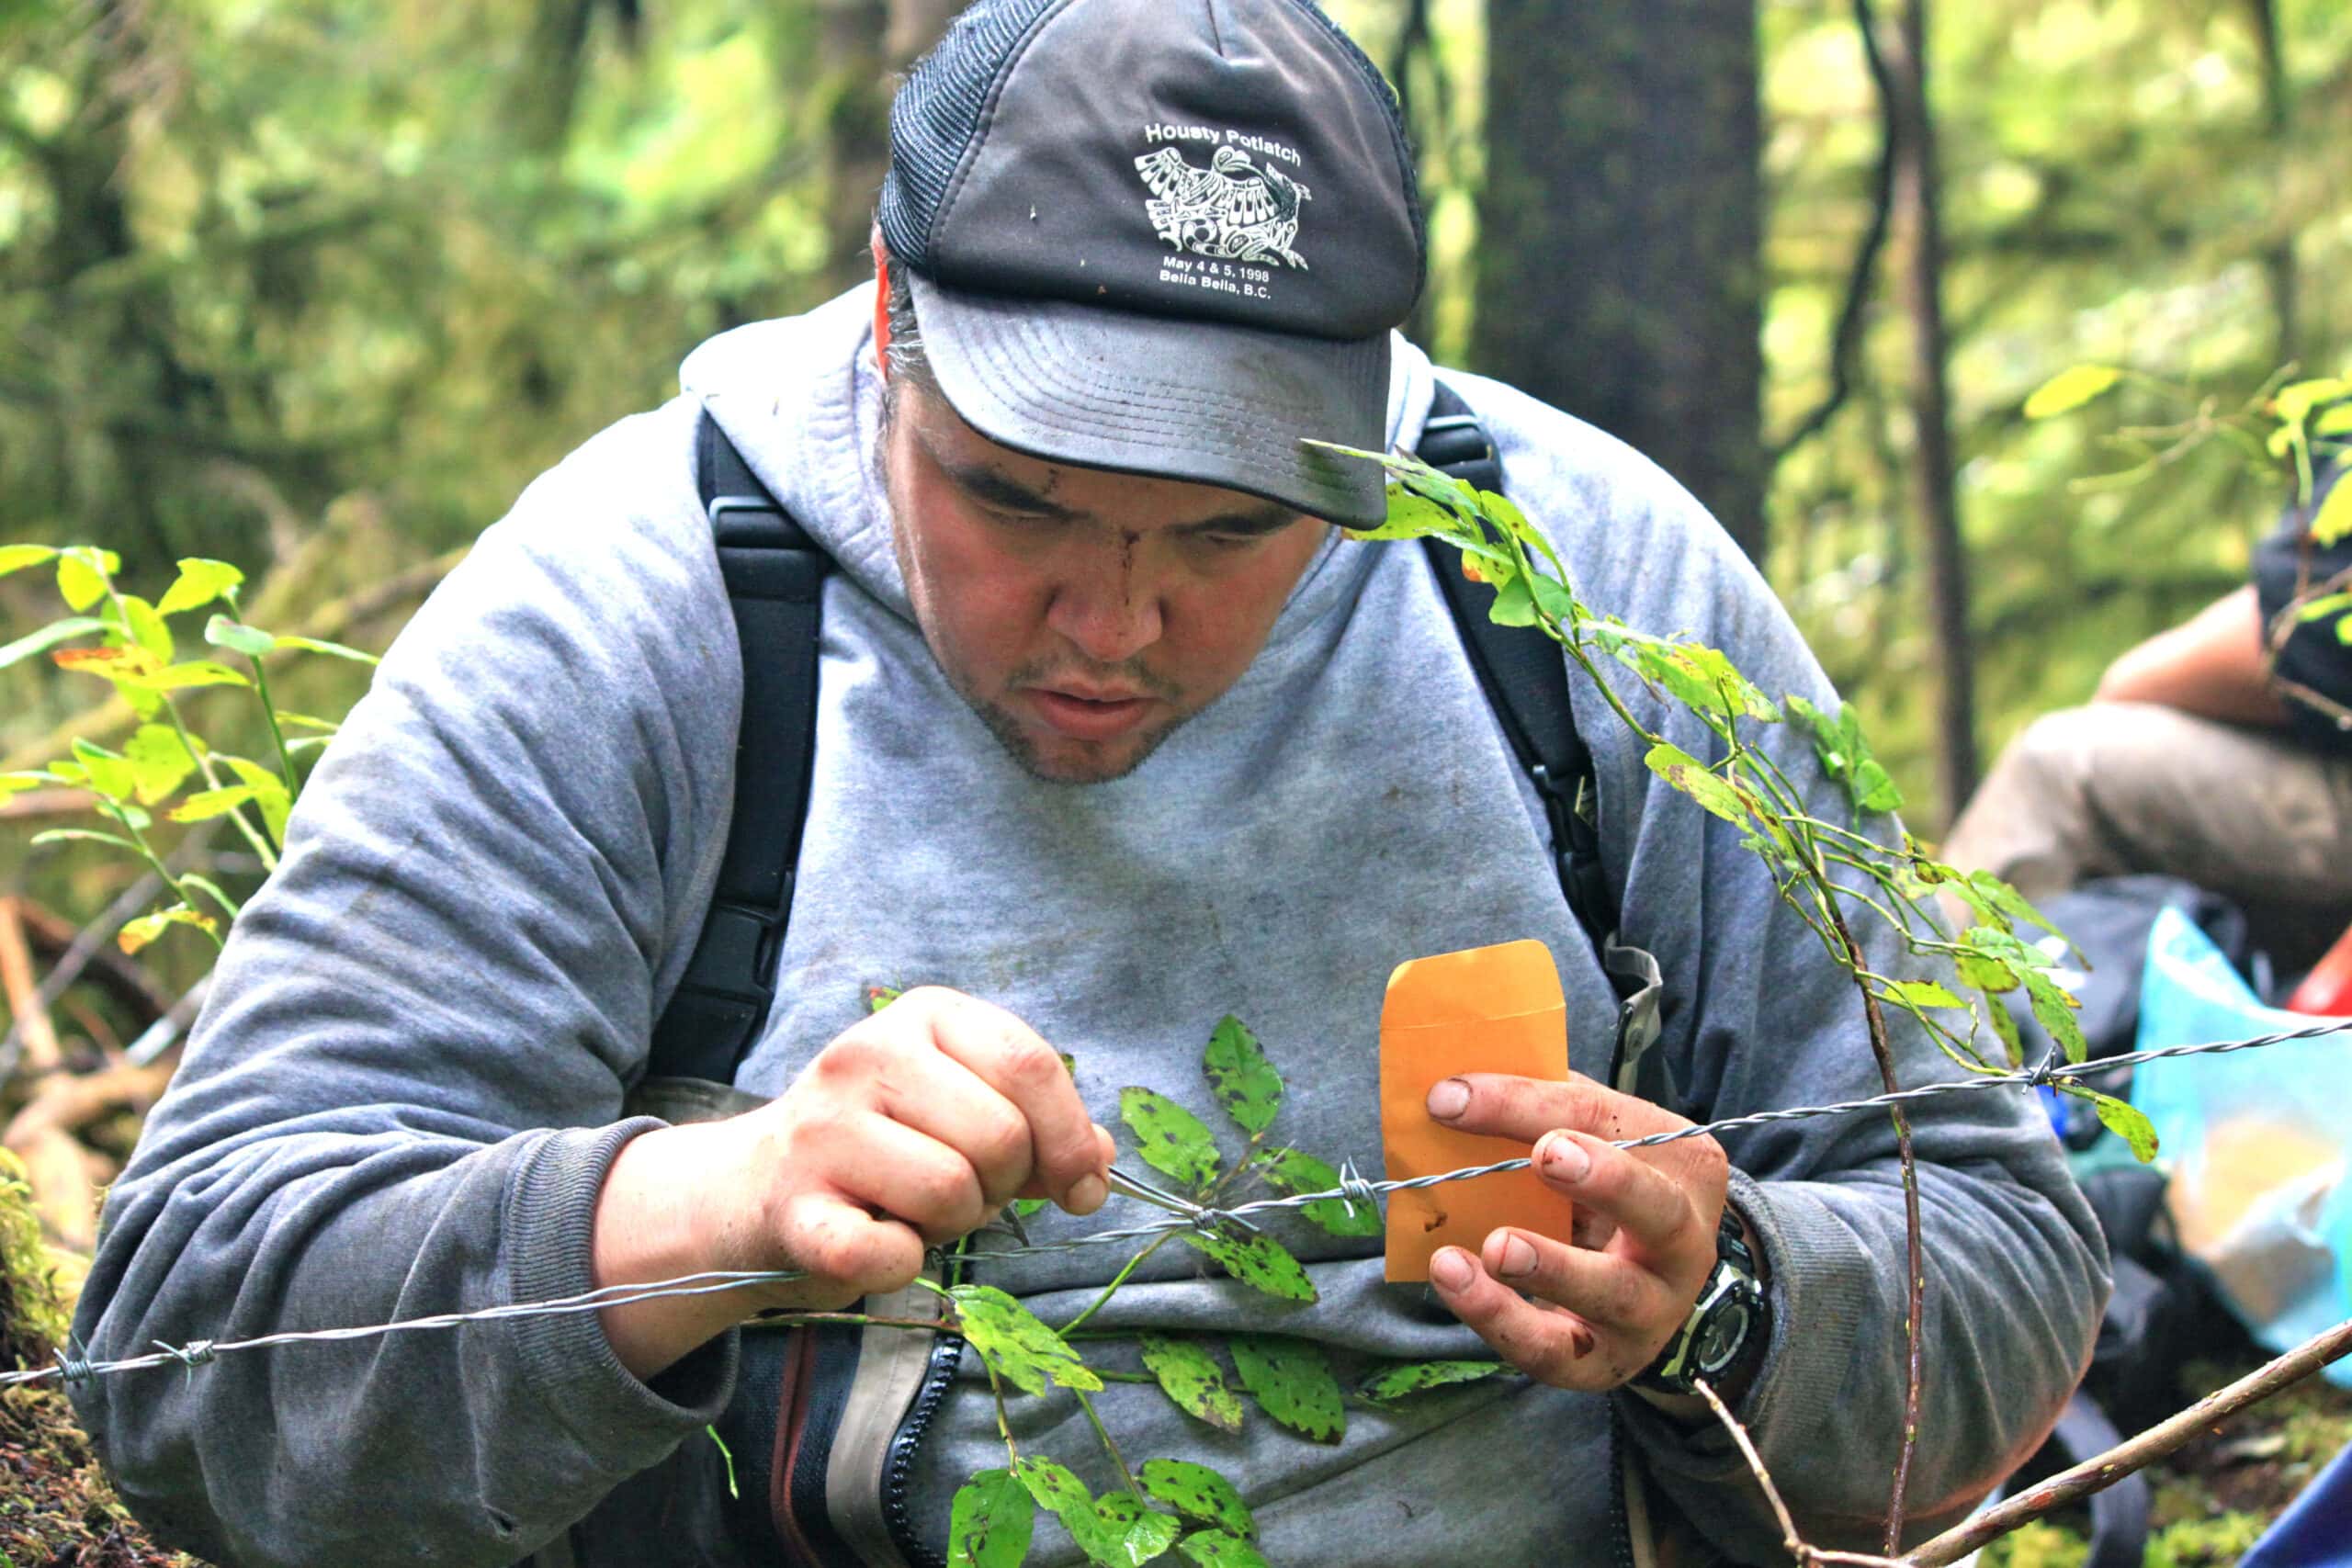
x=2278 y=257
x=1618 y=269
x=865 y=45
x=1933 y=495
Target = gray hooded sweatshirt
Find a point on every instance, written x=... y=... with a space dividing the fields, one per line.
x=408 y=1080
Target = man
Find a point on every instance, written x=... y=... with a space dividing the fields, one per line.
x=1115 y=735
x=2218 y=750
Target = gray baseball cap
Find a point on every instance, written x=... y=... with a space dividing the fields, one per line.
x=1167 y=237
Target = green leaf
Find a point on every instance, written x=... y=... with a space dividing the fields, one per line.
x=2126 y=1121
x=82 y=575
x=2334 y=519
x=82 y=835
x=207 y=804
x=145 y=628
x=17 y=783
x=211 y=890
x=237 y=637
x=1018 y=1345
x=1244 y=1082
x=1514 y=603
x=1171 y=1139
x=1255 y=1259
x=2294 y=402
x=1393 y=1383
x=136 y=934
x=2054 y=1008
x=1055 y=1489
x=2004 y=1025
x=196 y=673
x=318 y=645
x=1685 y=772
x=1215 y=1549
x=15 y=558
x=1293 y=1382
x=48 y=636
x=1295 y=1171
x=1874 y=788
x=2070 y=389
x=1191 y=1377
x=1124 y=1534
x=1919 y=992
x=159 y=761
x=124 y=812
x=325 y=726
x=990 y=1523
x=128 y=665
x=1411 y=516
x=271 y=797
x=1197 y=1490
x=2012 y=906
x=200 y=581
x=109 y=773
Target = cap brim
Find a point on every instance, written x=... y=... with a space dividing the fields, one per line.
x=1204 y=401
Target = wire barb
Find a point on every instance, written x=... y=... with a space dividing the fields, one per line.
x=75 y=1365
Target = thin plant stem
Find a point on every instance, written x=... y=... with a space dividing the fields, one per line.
x=1109 y=1444
x=1004 y=1426
x=1111 y=1289
x=268 y=708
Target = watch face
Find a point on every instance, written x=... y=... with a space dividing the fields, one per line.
x=1721 y=1338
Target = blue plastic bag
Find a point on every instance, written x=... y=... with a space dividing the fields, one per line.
x=2257 y=1143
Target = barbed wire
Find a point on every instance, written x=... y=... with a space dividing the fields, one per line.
x=71 y=1366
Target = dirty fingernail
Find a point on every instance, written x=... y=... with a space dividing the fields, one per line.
x=1517 y=1257
x=1564 y=1160
x=1086 y=1194
x=1450 y=1269
x=1581 y=1344
x=1449 y=1099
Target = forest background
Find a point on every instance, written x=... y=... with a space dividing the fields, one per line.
x=318 y=286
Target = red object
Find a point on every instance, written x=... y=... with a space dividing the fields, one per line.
x=2327 y=990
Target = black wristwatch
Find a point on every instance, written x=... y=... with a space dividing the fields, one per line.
x=1732 y=1316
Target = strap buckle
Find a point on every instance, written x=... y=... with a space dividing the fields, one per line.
x=737 y=949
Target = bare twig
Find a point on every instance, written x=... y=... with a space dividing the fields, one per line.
x=1845 y=339
x=2105 y=1470
x=1914 y=1265
x=1797 y=1548
x=42 y=1053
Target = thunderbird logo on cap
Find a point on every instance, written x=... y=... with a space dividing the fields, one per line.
x=1232 y=210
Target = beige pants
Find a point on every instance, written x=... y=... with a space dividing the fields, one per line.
x=2121 y=787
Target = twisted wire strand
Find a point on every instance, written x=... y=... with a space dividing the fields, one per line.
x=72 y=1365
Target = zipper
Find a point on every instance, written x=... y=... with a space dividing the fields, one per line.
x=1621 y=1525
x=897 y=1516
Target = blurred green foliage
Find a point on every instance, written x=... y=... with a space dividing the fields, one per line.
x=279 y=270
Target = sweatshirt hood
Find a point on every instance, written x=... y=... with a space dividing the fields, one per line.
x=812 y=439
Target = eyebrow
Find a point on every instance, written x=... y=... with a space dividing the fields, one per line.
x=984 y=483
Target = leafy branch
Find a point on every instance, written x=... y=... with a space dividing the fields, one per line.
x=1821 y=871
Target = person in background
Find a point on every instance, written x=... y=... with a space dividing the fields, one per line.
x=2218 y=750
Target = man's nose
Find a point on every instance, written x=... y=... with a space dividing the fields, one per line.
x=1107 y=605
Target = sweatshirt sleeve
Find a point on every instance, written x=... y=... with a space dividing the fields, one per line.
x=1758 y=1017
x=404 y=1091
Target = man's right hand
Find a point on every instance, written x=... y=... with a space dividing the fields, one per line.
x=912 y=1128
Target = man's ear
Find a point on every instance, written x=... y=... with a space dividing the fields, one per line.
x=881 y=306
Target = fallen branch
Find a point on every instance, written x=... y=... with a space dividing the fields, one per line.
x=42 y=1053
x=2103 y=1470
x=66 y=1174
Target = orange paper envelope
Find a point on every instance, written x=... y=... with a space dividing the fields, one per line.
x=1490 y=1010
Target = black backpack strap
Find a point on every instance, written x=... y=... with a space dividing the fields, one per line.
x=1525 y=678
x=776 y=579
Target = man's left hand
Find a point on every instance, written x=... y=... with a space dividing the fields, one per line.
x=1591 y=1310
